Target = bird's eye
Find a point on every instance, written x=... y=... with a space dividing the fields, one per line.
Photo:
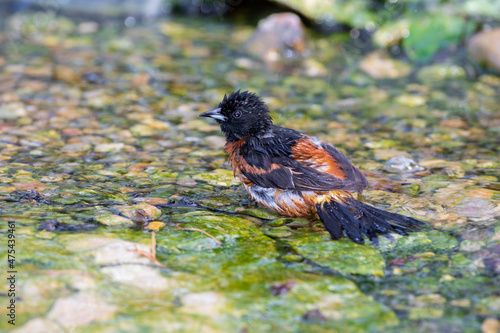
x=237 y=114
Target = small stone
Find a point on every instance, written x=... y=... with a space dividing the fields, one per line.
x=142 y=130
x=109 y=147
x=55 y=177
x=410 y=100
x=380 y=66
x=402 y=164
x=155 y=225
x=67 y=74
x=490 y=325
x=76 y=148
x=279 y=289
x=150 y=211
x=277 y=232
x=157 y=124
x=476 y=208
x=214 y=141
x=152 y=200
x=12 y=111
x=314 y=316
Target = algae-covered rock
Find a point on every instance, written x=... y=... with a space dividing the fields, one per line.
x=343 y=256
x=219 y=177
x=113 y=220
x=148 y=211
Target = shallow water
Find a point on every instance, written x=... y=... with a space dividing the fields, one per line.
x=95 y=145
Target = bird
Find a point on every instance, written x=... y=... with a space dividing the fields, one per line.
x=299 y=175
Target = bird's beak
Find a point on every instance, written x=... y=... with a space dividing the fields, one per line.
x=215 y=114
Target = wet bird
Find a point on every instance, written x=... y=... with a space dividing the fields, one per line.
x=298 y=175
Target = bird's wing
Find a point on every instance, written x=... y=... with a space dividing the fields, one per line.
x=311 y=167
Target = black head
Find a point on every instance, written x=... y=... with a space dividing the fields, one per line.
x=240 y=115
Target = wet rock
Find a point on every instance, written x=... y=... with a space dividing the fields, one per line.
x=155 y=226
x=39 y=325
x=219 y=177
x=431 y=74
x=142 y=130
x=92 y=77
x=109 y=147
x=379 y=65
x=214 y=141
x=343 y=256
x=204 y=303
x=402 y=164
x=314 y=316
x=490 y=325
x=123 y=263
x=198 y=245
x=410 y=100
x=80 y=309
x=152 y=200
x=149 y=211
x=484 y=48
x=112 y=220
x=281 y=232
x=55 y=225
x=476 y=208
x=12 y=111
x=65 y=73
x=278 y=36
x=493 y=265
x=76 y=148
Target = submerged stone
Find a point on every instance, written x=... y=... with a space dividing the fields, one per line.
x=402 y=164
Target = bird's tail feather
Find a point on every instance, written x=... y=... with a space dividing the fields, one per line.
x=355 y=219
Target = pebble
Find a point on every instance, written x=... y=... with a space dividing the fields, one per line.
x=490 y=325
x=380 y=66
x=109 y=147
x=402 y=164
x=12 y=110
x=76 y=148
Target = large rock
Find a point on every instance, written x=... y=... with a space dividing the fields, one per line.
x=484 y=47
x=277 y=37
